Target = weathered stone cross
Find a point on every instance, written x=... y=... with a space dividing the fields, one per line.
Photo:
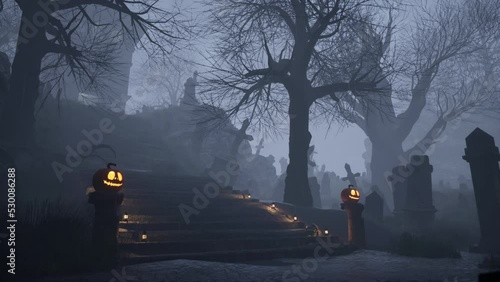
x=259 y=147
x=351 y=177
x=239 y=136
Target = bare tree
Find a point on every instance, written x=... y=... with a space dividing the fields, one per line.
x=49 y=32
x=451 y=62
x=269 y=56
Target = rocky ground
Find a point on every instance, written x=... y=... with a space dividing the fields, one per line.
x=361 y=266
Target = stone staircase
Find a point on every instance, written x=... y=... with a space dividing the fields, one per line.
x=232 y=227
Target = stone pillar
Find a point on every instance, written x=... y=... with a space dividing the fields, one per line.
x=355 y=223
x=105 y=227
x=483 y=156
x=398 y=184
x=419 y=211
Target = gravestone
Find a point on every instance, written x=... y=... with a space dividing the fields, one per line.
x=325 y=189
x=351 y=177
x=283 y=165
x=398 y=184
x=374 y=207
x=483 y=156
x=315 y=192
x=260 y=146
x=419 y=210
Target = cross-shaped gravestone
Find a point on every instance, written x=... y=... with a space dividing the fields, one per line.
x=351 y=177
x=259 y=147
x=239 y=136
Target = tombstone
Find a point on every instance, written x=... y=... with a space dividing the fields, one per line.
x=419 y=210
x=315 y=192
x=283 y=165
x=374 y=207
x=483 y=156
x=351 y=177
x=398 y=184
x=325 y=189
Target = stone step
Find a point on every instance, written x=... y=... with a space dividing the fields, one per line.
x=188 y=197
x=183 y=235
x=204 y=215
x=190 y=246
x=213 y=225
x=228 y=207
x=240 y=255
x=149 y=193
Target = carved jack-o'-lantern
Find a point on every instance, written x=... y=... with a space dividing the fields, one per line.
x=350 y=195
x=108 y=179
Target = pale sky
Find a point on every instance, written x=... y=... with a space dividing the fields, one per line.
x=334 y=149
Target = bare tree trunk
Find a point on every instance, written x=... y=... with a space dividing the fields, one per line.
x=386 y=154
x=297 y=189
x=17 y=117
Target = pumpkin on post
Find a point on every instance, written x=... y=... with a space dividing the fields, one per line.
x=106 y=199
x=108 y=179
x=350 y=195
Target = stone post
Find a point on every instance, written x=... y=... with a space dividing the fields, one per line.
x=483 y=156
x=105 y=227
x=355 y=223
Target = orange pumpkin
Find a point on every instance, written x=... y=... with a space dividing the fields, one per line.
x=108 y=179
x=350 y=195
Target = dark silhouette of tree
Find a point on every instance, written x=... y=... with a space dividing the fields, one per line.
x=451 y=64
x=270 y=55
x=51 y=38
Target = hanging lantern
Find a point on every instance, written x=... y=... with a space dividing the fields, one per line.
x=273 y=206
x=326 y=232
x=144 y=236
x=125 y=217
x=295 y=218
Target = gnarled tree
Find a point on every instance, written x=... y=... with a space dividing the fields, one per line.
x=271 y=53
x=50 y=28
x=451 y=63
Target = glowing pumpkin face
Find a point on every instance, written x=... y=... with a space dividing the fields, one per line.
x=350 y=195
x=108 y=179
